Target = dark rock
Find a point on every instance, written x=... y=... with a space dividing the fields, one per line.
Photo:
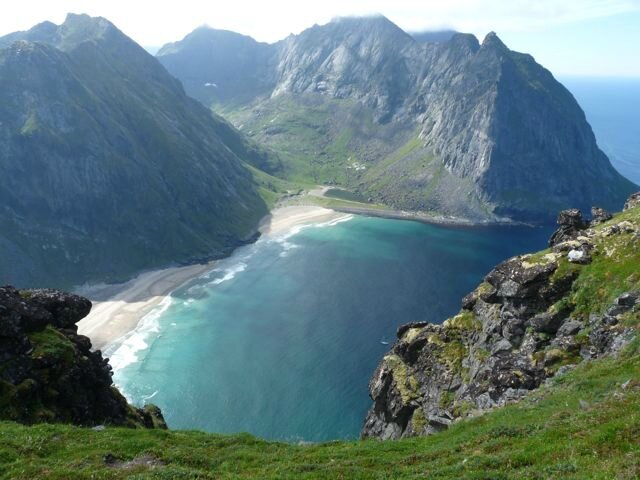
x=66 y=309
x=49 y=372
x=598 y=216
x=632 y=202
x=403 y=328
x=570 y=327
x=627 y=299
x=546 y=322
x=571 y=225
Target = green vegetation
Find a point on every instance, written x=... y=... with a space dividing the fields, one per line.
x=344 y=195
x=53 y=345
x=614 y=269
x=321 y=140
x=584 y=426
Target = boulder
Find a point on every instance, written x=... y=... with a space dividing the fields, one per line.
x=632 y=201
x=599 y=215
x=571 y=224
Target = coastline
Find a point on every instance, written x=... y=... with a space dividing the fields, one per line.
x=118 y=309
x=429 y=219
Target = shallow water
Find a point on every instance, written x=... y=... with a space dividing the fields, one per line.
x=281 y=339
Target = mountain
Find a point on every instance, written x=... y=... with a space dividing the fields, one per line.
x=108 y=166
x=534 y=317
x=434 y=36
x=456 y=128
x=224 y=67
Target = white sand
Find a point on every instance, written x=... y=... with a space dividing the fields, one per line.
x=116 y=316
x=285 y=218
x=113 y=318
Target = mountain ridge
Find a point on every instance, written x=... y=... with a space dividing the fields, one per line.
x=469 y=101
x=110 y=167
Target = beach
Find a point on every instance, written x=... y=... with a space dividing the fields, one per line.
x=117 y=309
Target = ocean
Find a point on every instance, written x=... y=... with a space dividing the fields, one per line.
x=280 y=340
x=612 y=106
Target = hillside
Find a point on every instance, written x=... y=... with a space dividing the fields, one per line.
x=454 y=127
x=108 y=166
x=582 y=422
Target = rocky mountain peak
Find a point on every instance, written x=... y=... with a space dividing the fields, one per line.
x=495 y=127
x=492 y=40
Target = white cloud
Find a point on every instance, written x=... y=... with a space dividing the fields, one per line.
x=154 y=22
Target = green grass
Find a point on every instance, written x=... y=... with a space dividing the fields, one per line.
x=344 y=195
x=547 y=436
x=614 y=269
x=318 y=139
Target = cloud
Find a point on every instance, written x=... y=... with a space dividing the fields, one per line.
x=154 y=23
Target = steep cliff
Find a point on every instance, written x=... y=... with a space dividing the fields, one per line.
x=454 y=127
x=534 y=317
x=108 y=167
x=48 y=372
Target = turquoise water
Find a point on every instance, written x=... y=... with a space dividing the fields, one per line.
x=281 y=339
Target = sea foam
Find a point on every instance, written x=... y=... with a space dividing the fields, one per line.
x=125 y=350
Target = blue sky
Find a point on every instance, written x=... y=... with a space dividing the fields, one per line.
x=608 y=46
x=570 y=37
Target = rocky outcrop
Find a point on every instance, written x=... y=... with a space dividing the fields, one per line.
x=571 y=224
x=633 y=201
x=48 y=373
x=533 y=317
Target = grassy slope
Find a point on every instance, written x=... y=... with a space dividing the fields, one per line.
x=586 y=424
x=548 y=436
x=319 y=140
x=328 y=141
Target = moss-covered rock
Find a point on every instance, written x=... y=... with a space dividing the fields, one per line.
x=533 y=316
x=48 y=373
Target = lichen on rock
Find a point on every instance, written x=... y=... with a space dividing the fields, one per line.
x=532 y=317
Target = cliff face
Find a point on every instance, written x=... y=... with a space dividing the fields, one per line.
x=48 y=372
x=108 y=166
x=533 y=317
x=495 y=135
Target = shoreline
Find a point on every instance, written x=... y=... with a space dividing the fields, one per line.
x=429 y=219
x=358 y=208
x=118 y=308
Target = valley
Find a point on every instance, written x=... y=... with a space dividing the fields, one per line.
x=358 y=251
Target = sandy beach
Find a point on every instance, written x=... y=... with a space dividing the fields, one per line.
x=117 y=309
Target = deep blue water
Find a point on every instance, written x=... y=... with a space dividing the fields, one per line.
x=282 y=338
x=612 y=107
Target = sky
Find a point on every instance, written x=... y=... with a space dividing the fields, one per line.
x=570 y=37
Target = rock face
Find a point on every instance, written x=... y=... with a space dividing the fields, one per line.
x=48 y=372
x=533 y=317
x=495 y=135
x=571 y=224
x=108 y=167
